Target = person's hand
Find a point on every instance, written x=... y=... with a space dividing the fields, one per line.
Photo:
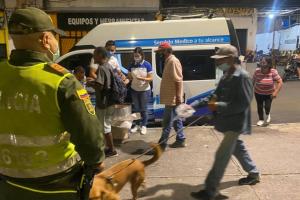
x=98 y=168
x=140 y=78
x=126 y=81
x=185 y=110
x=90 y=81
x=212 y=105
x=101 y=167
x=274 y=95
x=178 y=101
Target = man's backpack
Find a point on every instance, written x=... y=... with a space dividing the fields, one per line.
x=118 y=88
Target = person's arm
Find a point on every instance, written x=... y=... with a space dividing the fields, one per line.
x=254 y=78
x=79 y=119
x=149 y=76
x=178 y=79
x=239 y=102
x=129 y=75
x=278 y=85
x=93 y=69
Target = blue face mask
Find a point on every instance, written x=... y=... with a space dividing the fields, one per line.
x=224 y=67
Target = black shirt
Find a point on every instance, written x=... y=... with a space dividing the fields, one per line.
x=104 y=85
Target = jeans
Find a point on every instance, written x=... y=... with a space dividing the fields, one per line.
x=263 y=101
x=140 y=102
x=168 y=122
x=231 y=144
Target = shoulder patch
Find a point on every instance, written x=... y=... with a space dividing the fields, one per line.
x=58 y=68
x=85 y=97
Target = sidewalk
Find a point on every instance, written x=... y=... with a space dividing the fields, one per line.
x=275 y=149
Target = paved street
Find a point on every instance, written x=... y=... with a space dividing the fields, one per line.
x=286 y=108
x=275 y=149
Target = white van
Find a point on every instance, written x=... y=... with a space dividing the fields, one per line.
x=193 y=41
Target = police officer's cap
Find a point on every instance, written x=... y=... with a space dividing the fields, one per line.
x=31 y=20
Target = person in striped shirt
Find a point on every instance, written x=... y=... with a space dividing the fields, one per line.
x=267 y=84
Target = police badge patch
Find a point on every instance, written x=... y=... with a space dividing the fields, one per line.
x=84 y=96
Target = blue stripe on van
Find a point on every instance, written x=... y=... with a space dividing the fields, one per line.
x=219 y=39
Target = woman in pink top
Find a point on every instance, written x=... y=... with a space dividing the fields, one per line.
x=267 y=84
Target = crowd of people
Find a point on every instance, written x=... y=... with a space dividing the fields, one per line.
x=106 y=70
x=50 y=141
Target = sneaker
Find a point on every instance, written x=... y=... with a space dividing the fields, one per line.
x=268 y=119
x=134 y=129
x=178 y=144
x=110 y=153
x=251 y=179
x=203 y=195
x=143 y=130
x=260 y=123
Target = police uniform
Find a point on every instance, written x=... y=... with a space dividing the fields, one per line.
x=48 y=124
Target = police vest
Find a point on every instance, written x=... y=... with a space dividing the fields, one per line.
x=33 y=140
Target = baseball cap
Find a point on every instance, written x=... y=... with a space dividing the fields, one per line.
x=164 y=45
x=225 y=52
x=31 y=20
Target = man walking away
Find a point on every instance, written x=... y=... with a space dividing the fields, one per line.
x=231 y=103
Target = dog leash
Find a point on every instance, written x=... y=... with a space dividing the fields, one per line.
x=110 y=178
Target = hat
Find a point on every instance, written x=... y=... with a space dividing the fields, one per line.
x=164 y=45
x=31 y=20
x=225 y=52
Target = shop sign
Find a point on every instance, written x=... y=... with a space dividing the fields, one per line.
x=87 y=21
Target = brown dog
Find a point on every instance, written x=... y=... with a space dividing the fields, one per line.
x=109 y=183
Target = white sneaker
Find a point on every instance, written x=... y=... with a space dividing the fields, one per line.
x=260 y=123
x=143 y=130
x=134 y=129
x=268 y=119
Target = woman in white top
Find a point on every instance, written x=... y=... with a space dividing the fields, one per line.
x=140 y=72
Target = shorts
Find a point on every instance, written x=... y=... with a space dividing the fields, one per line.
x=105 y=118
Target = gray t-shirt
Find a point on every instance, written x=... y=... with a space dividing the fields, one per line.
x=104 y=79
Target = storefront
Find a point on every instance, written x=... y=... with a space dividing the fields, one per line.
x=4 y=49
x=77 y=25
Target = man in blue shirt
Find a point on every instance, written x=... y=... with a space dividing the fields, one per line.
x=231 y=104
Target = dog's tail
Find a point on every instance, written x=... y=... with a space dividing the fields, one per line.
x=157 y=153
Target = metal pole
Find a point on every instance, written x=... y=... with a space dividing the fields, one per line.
x=273 y=45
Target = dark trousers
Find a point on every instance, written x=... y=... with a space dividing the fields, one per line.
x=230 y=145
x=263 y=101
x=140 y=102
x=64 y=187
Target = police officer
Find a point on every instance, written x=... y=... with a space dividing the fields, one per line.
x=50 y=142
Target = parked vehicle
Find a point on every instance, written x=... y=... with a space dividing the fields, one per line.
x=193 y=41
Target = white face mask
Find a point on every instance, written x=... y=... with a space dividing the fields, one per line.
x=137 y=59
x=55 y=55
x=224 y=67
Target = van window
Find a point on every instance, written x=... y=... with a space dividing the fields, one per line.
x=196 y=64
x=125 y=58
x=73 y=61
